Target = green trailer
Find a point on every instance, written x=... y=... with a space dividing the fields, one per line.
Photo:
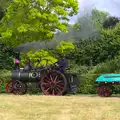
x=105 y=84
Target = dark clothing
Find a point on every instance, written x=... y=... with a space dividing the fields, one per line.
x=16 y=61
x=63 y=64
x=16 y=66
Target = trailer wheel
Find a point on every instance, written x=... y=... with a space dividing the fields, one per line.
x=19 y=87
x=53 y=83
x=104 y=91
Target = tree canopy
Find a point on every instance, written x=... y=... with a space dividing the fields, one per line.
x=32 y=20
x=110 y=22
x=3 y=6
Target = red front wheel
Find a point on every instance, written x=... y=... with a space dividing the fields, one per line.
x=19 y=87
x=9 y=87
x=54 y=83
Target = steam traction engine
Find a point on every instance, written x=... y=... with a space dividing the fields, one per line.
x=50 y=79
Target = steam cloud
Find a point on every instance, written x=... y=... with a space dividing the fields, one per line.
x=87 y=29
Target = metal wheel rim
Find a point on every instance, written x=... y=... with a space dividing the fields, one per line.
x=19 y=88
x=54 y=83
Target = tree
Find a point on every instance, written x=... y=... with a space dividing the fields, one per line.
x=110 y=22
x=3 y=6
x=99 y=17
x=105 y=47
x=1 y=13
x=32 y=20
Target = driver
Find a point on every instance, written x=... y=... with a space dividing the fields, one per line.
x=17 y=60
x=63 y=64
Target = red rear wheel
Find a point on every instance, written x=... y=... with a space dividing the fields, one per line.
x=9 y=87
x=104 y=91
x=53 y=83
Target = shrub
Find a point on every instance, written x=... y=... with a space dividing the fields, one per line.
x=6 y=61
x=5 y=76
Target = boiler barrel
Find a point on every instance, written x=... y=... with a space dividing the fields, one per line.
x=24 y=76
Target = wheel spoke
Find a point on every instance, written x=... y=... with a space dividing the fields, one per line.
x=51 y=78
x=46 y=80
x=59 y=86
x=53 y=92
x=58 y=89
x=58 y=81
x=45 y=84
x=47 y=89
x=55 y=79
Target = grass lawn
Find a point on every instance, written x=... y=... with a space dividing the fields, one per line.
x=79 y=107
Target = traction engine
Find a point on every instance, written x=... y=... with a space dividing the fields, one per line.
x=51 y=79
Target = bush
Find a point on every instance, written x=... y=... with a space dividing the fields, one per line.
x=6 y=61
x=84 y=73
x=5 y=76
x=79 y=68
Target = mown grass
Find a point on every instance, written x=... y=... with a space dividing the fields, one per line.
x=42 y=107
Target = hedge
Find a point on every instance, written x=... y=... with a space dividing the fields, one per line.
x=5 y=76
